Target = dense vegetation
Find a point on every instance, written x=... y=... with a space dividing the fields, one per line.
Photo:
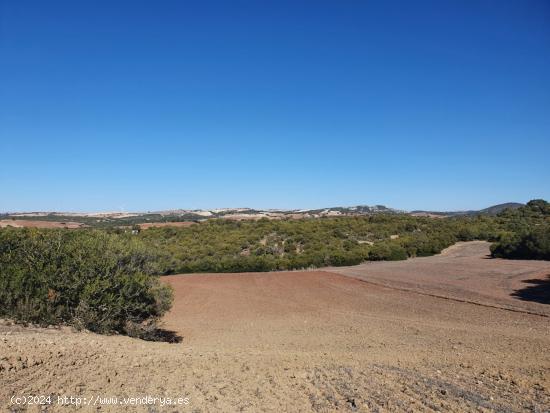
x=88 y=279
x=533 y=245
x=106 y=280
x=528 y=235
x=265 y=245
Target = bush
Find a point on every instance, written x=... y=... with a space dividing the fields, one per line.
x=533 y=245
x=85 y=278
x=385 y=251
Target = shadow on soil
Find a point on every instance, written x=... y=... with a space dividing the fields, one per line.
x=538 y=291
x=159 y=334
x=168 y=336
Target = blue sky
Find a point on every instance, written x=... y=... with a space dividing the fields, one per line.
x=144 y=105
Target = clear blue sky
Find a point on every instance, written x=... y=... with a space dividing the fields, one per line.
x=147 y=105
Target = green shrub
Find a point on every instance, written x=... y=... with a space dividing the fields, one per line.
x=86 y=278
x=532 y=245
x=387 y=251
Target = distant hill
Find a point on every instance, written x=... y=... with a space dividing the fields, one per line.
x=187 y=215
x=496 y=209
x=249 y=213
x=196 y=215
x=492 y=210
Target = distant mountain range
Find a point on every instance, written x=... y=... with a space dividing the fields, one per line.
x=246 y=213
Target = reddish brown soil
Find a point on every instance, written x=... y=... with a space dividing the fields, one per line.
x=310 y=341
x=463 y=272
x=24 y=223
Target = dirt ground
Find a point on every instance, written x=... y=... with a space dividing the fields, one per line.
x=25 y=223
x=424 y=335
x=464 y=272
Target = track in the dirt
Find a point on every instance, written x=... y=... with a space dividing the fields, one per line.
x=463 y=272
x=410 y=290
